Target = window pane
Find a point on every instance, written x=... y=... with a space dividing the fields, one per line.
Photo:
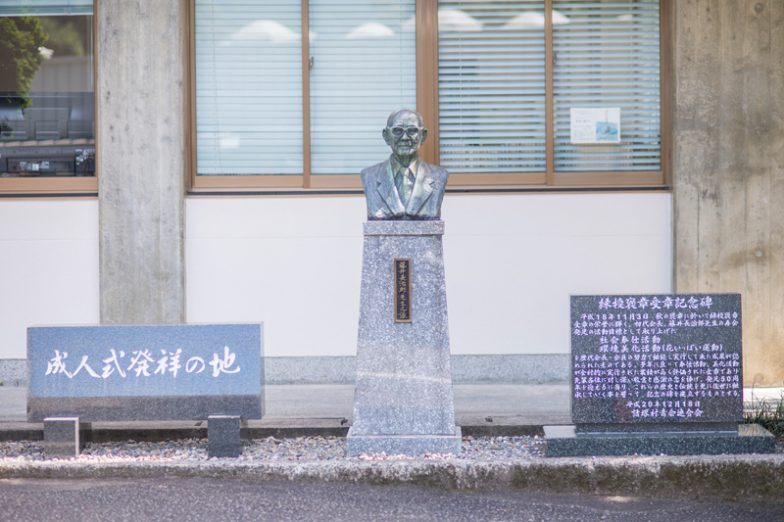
x=607 y=57
x=46 y=89
x=248 y=87
x=45 y=7
x=491 y=86
x=363 y=68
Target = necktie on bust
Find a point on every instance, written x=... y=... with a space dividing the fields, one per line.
x=405 y=185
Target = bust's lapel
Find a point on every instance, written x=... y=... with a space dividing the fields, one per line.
x=386 y=189
x=423 y=189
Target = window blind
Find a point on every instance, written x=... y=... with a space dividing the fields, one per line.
x=248 y=87
x=607 y=56
x=491 y=86
x=363 y=67
x=45 y=7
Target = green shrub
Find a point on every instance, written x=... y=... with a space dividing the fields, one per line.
x=768 y=416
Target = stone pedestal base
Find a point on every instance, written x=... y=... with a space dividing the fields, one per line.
x=64 y=437
x=223 y=436
x=404 y=444
x=403 y=401
x=562 y=441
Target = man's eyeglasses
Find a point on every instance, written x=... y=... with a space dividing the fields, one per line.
x=412 y=132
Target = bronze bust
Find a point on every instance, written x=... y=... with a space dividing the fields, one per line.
x=404 y=186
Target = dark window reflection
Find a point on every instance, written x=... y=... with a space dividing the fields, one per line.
x=47 y=109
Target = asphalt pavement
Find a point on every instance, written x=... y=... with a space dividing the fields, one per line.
x=237 y=500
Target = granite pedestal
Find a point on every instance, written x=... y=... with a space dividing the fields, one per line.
x=403 y=400
x=223 y=436
x=63 y=437
x=565 y=441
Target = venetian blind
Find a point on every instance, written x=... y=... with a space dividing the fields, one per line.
x=363 y=67
x=248 y=87
x=491 y=86
x=607 y=56
x=45 y=7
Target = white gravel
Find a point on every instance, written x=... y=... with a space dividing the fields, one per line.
x=275 y=450
x=300 y=449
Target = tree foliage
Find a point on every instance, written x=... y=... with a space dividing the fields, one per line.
x=20 y=38
x=67 y=35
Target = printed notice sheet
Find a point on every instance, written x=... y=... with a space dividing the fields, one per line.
x=593 y=125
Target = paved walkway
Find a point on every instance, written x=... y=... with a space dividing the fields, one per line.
x=475 y=404
x=503 y=403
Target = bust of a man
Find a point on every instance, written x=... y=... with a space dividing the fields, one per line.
x=404 y=186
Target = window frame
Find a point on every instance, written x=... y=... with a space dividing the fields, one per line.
x=427 y=104
x=73 y=185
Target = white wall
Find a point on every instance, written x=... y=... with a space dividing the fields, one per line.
x=294 y=263
x=48 y=267
x=511 y=263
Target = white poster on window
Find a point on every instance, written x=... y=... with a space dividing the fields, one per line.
x=595 y=125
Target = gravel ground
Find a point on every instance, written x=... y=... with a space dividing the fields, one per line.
x=271 y=449
x=302 y=449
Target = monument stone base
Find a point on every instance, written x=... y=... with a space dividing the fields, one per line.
x=404 y=444
x=403 y=400
x=64 y=437
x=223 y=436
x=565 y=441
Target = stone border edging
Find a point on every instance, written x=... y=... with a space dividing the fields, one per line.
x=728 y=477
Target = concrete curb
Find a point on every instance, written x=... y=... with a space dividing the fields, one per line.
x=726 y=477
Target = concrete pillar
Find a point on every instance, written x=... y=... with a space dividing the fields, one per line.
x=141 y=146
x=728 y=165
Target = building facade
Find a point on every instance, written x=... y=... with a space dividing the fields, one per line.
x=197 y=161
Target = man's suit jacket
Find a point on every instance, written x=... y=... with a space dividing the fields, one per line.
x=383 y=201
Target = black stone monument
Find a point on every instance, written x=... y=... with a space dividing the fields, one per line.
x=655 y=374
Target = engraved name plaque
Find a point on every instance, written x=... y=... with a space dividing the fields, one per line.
x=402 y=290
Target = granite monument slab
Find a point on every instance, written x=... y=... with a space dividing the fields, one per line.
x=656 y=374
x=149 y=372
